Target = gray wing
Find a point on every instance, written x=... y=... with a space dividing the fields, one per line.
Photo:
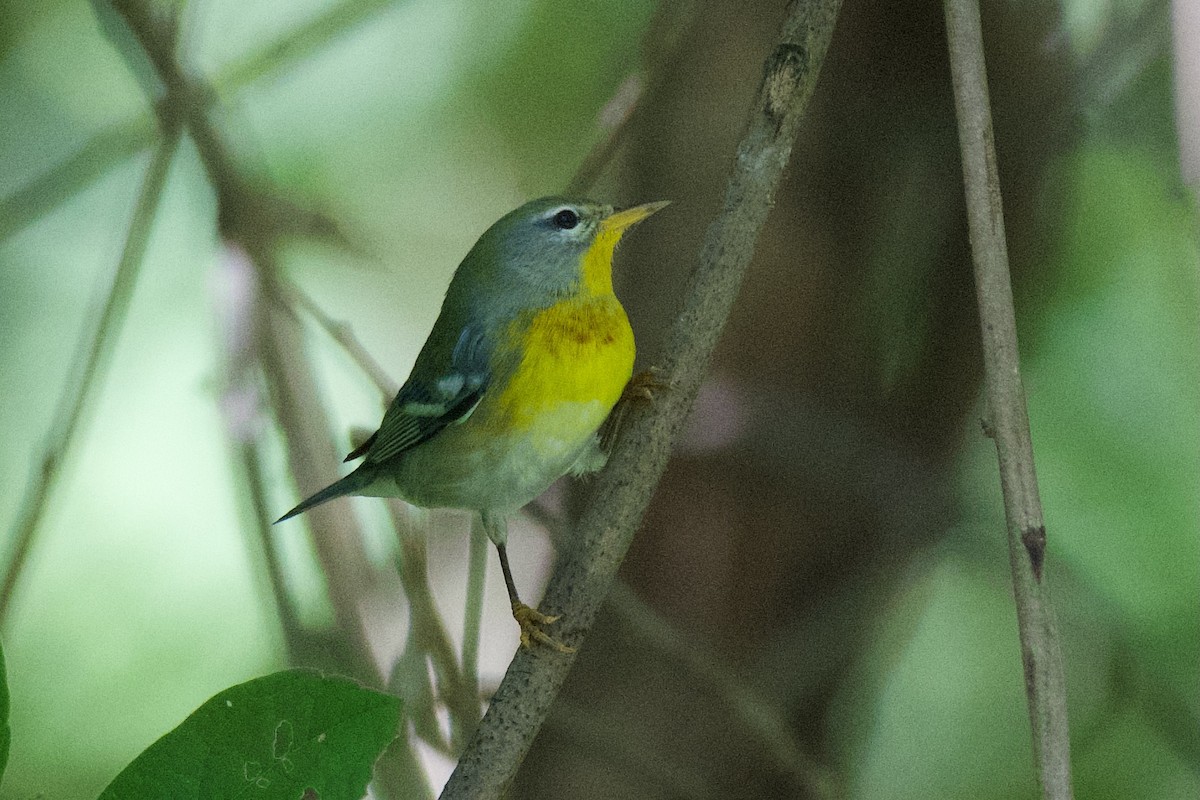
x=431 y=399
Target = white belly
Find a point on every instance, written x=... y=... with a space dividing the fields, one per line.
x=505 y=473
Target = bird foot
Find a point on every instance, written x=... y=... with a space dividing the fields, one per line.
x=643 y=385
x=531 y=620
x=640 y=389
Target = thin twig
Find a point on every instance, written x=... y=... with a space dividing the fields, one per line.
x=461 y=697
x=617 y=116
x=459 y=687
x=242 y=412
x=44 y=193
x=1008 y=420
x=90 y=360
x=622 y=492
x=123 y=139
x=248 y=218
x=289 y=621
x=336 y=535
x=756 y=715
x=341 y=333
x=473 y=612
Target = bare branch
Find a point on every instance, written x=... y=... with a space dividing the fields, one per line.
x=249 y=218
x=1008 y=420
x=336 y=535
x=618 y=114
x=477 y=561
x=123 y=139
x=341 y=333
x=756 y=714
x=236 y=304
x=90 y=361
x=460 y=695
x=753 y=711
x=623 y=491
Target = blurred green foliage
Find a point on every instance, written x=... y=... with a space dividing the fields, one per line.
x=1111 y=383
x=5 y=729
x=417 y=123
x=409 y=121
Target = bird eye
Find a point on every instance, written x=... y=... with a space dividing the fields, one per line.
x=566 y=219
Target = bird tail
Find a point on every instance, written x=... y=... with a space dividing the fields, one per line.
x=351 y=484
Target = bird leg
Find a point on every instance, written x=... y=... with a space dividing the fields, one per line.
x=530 y=619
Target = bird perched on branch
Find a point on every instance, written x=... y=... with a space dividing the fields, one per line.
x=528 y=356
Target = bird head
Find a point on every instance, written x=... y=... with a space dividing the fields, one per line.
x=554 y=247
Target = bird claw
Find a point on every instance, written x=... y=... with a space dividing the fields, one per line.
x=643 y=385
x=531 y=620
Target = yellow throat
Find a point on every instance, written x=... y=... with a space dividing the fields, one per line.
x=597 y=261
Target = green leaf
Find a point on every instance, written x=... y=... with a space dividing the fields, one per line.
x=5 y=731
x=278 y=736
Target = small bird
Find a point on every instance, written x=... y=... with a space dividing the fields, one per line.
x=528 y=356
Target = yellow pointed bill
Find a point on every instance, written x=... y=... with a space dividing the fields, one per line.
x=619 y=221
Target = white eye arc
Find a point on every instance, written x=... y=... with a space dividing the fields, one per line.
x=564 y=218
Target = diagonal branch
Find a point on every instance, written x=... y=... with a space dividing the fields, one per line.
x=623 y=491
x=90 y=360
x=47 y=191
x=305 y=40
x=123 y=139
x=251 y=218
x=1008 y=420
x=341 y=333
x=627 y=103
x=758 y=716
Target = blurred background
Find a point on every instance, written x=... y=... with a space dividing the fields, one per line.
x=818 y=604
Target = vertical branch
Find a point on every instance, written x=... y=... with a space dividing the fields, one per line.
x=90 y=360
x=289 y=621
x=337 y=538
x=236 y=303
x=1185 y=29
x=256 y=222
x=459 y=687
x=623 y=490
x=618 y=114
x=1008 y=420
x=461 y=697
x=473 y=613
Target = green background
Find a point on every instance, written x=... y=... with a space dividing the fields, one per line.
x=417 y=126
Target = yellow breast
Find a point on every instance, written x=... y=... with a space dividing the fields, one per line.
x=579 y=351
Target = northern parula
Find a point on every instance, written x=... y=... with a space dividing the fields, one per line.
x=528 y=356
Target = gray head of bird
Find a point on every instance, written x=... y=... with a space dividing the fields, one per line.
x=550 y=248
